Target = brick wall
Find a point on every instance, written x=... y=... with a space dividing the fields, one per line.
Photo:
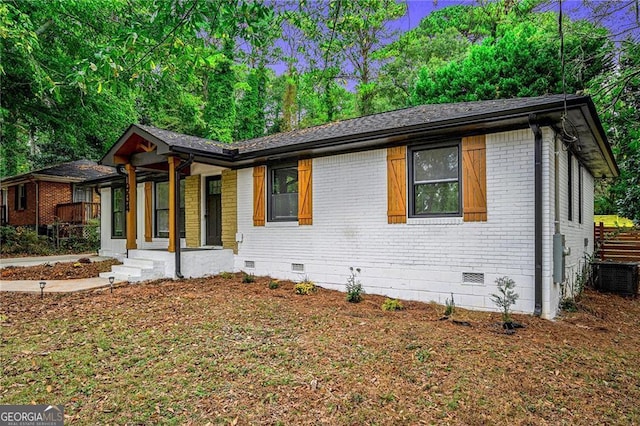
x=424 y=259
x=26 y=217
x=192 y=210
x=230 y=209
x=52 y=194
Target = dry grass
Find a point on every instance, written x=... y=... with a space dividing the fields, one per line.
x=220 y=351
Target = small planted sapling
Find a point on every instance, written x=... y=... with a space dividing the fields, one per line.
x=505 y=299
x=354 y=286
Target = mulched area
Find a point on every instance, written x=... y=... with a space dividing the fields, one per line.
x=58 y=271
x=219 y=351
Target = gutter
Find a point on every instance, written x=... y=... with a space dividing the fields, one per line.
x=177 y=210
x=537 y=133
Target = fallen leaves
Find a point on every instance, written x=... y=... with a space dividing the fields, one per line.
x=220 y=351
x=57 y=271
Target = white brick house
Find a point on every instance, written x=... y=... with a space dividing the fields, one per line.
x=426 y=201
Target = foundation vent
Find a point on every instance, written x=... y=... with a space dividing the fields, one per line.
x=249 y=264
x=473 y=278
x=297 y=267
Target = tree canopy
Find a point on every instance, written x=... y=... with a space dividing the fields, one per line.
x=75 y=73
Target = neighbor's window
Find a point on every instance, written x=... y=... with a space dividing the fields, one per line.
x=162 y=209
x=434 y=174
x=21 y=197
x=283 y=193
x=118 y=213
x=82 y=194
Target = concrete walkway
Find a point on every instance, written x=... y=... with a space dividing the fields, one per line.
x=52 y=286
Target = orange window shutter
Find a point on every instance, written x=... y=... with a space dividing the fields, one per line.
x=474 y=178
x=259 y=173
x=305 y=199
x=148 y=212
x=397 y=184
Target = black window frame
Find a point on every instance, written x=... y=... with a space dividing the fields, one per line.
x=20 y=201
x=410 y=177
x=271 y=170
x=580 y=195
x=123 y=212
x=182 y=213
x=570 y=186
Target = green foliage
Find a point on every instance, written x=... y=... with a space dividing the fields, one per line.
x=450 y=306
x=354 y=286
x=520 y=60
x=248 y=278
x=274 y=284
x=23 y=240
x=226 y=275
x=305 y=287
x=506 y=297
x=392 y=305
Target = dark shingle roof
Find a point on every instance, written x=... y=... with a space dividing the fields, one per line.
x=185 y=141
x=422 y=115
x=75 y=171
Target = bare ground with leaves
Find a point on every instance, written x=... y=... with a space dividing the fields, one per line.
x=58 y=271
x=219 y=351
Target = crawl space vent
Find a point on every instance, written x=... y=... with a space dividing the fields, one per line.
x=297 y=267
x=249 y=264
x=473 y=278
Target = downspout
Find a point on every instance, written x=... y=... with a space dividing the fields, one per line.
x=177 y=215
x=537 y=133
x=121 y=172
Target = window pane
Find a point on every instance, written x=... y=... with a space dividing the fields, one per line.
x=118 y=224
x=285 y=181
x=435 y=164
x=215 y=187
x=162 y=195
x=182 y=183
x=285 y=206
x=162 y=223
x=436 y=198
x=118 y=199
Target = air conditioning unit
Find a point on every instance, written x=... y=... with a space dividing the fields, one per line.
x=616 y=277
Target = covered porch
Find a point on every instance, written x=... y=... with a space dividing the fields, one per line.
x=172 y=211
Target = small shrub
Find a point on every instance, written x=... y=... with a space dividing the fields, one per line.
x=226 y=275
x=305 y=287
x=506 y=297
x=354 y=286
x=273 y=284
x=450 y=306
x=248 y=278
x=392 y=305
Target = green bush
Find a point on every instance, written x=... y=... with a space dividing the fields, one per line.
x=23 y=240
x=248 y=278
x=392 y=305
x=226 y=275
x=273 y=284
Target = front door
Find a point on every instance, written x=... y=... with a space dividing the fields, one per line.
x=213 y=214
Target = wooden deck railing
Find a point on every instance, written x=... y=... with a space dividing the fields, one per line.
x=80 y=212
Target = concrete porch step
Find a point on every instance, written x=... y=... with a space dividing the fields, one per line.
x=139 y=263
x=135 y=270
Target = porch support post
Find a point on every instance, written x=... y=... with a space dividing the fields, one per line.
x=173 y=162
x=132 y=218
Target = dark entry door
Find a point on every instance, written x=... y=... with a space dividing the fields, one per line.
x=214 y=211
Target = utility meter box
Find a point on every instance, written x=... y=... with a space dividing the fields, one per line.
x=559 y=253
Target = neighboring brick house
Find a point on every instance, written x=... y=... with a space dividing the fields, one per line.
x=427 y=201
x=53 y=194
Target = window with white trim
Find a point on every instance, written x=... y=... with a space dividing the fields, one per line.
x=434 y=180
x=282 y=200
